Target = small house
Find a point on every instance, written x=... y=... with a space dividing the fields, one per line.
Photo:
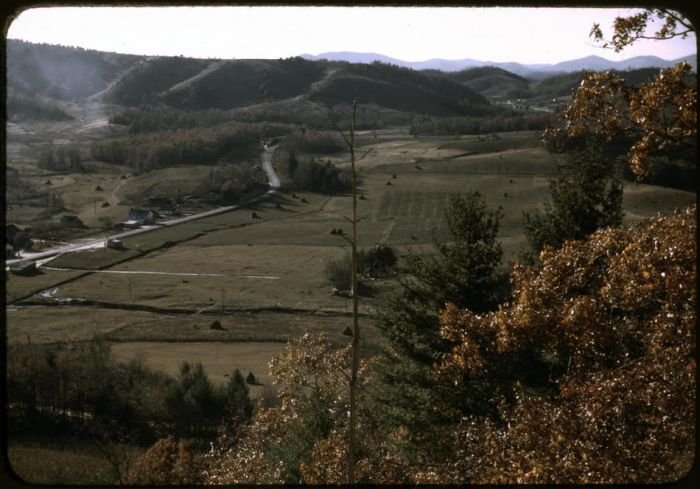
x=139 y=217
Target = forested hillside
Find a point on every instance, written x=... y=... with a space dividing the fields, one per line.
x=401 y=89
x=58 y=73
x=62 y=73
x=488 y=80
x=65 y=73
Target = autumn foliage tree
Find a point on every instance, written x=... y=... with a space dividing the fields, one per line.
x=304 y=439
x=628 y=30
x=167 y=462
x=658 y=118
x=614 y=318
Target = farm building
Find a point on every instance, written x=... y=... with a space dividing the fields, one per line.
x=139 y=217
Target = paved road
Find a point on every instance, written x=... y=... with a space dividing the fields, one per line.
x=273 y=182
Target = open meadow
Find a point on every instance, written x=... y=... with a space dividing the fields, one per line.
x=261 y=270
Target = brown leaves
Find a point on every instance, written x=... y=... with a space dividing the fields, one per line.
x=615 y=316
x=621 y=306
x=627 y=30
x=312 y=362
x=656 y=116
x=167 y=462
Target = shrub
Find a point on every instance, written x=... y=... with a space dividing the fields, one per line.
x=168 y=462
x=339 y=272
x=379 y=261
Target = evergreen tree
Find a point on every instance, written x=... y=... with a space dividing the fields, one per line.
x=464 y=271
x=239 y=406
x=193 y=404
x=583 y=199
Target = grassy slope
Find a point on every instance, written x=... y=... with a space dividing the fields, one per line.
x=59 y=466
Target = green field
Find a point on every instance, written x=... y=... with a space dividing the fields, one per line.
x=264 y=278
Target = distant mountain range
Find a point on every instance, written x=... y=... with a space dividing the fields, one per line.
x=596 y=63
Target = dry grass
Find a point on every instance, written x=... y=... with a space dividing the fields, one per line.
x=219 y=359
x=59 y=466
x=62 y=323
x=18 y=286
x=77 y=324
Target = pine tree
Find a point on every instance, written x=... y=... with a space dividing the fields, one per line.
x=239 y=406
x=585 y=198
x=464 y=271
x=193 y=404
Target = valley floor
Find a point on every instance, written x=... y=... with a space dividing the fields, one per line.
x=264 y=278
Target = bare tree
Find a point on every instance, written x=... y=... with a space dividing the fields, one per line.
x=352 y=442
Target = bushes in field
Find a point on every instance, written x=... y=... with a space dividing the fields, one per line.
x=230 y=184
x=339 y=272
x=306 y=172
x=377 y=262
x=316 y=176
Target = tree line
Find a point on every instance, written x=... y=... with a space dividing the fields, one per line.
x=61 y=158
x=502 y=122
x=304 y=172
x=144 y=152
x=82 y=389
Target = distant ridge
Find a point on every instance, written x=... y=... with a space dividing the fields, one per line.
x=597 y=63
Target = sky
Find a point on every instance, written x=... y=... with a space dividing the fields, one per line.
x=524 y=35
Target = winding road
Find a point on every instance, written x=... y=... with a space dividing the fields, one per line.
x=44 y=256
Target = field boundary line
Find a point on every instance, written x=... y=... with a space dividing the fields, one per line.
x=192 y=312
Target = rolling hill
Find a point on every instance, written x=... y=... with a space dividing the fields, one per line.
x=62 y=73
x=71 y=74
x=42 y=77
x=493 y=82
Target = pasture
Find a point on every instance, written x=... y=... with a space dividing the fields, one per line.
x=264 y=277
x=219 y=359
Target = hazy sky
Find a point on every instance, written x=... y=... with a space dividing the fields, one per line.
x=526 y=35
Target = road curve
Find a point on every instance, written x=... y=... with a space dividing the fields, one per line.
x=273 y=182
